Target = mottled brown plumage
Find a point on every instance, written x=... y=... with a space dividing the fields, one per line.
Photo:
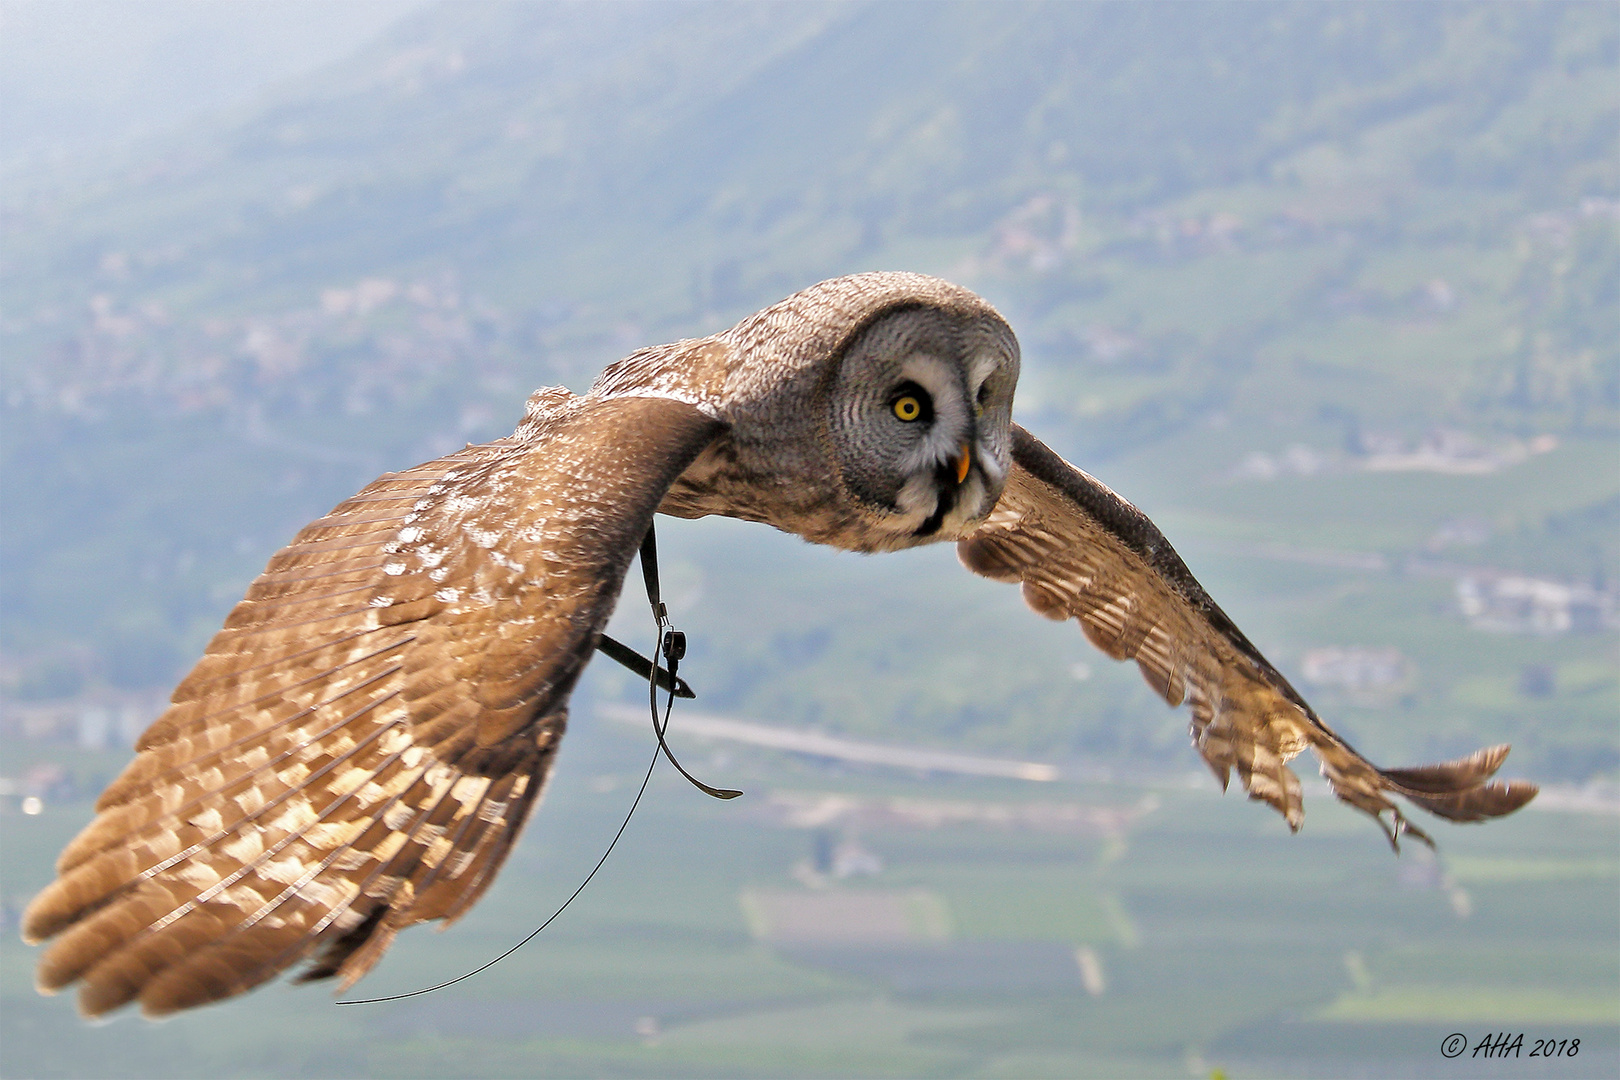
x=360 y=745
x=1082 y=552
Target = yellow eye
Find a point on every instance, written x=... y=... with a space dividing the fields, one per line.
x=907 y=408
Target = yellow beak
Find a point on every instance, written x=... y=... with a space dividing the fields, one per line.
x=964 y=461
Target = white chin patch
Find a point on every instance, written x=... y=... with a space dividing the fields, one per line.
x=970 y=508
x=917 y=500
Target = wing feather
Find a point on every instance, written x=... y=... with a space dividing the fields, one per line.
x=359 y=747
x=1082 y=552
x=258 y=740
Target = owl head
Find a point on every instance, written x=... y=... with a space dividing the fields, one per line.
x=870 y=412
x=919 y=415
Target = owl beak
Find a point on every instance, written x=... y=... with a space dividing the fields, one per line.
x=964 y=462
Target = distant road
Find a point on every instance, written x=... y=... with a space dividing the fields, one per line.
x=826 y=746
x=1593 y=798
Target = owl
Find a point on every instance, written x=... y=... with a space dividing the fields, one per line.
x=361 y=744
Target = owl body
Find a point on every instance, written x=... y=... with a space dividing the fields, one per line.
x=361 y=744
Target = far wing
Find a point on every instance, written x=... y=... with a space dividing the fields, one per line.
x=1080 y=551
x=362 y=742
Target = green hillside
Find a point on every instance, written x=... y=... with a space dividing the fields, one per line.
x=1328 y=231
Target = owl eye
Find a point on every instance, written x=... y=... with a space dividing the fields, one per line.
x=912 y=404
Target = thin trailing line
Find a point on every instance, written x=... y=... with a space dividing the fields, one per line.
x=651 y=765
x=671 y=644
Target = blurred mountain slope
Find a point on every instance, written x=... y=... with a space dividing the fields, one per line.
x=1345 y=224
x=498 y=137
x=77 y=78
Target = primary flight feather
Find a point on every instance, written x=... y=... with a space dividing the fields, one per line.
x=362 y=742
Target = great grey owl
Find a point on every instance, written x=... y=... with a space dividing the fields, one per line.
x=363 y=740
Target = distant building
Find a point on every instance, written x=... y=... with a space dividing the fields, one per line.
x=1445 y=450
x=1355 y=668
x=1526 y=605
x=1442 y=450
x=1297 y=460
x=102 y=721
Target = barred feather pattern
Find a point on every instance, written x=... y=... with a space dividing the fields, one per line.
x=1080 y=551
x=362 y=742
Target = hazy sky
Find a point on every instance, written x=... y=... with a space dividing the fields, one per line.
x=77 y=75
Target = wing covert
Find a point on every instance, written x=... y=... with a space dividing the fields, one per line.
x=1080 y=551
x=363 y=740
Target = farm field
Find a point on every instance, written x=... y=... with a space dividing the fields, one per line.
x=1143 y=929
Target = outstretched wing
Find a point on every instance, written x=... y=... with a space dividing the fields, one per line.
x=362 y=742
x=1080 y=551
